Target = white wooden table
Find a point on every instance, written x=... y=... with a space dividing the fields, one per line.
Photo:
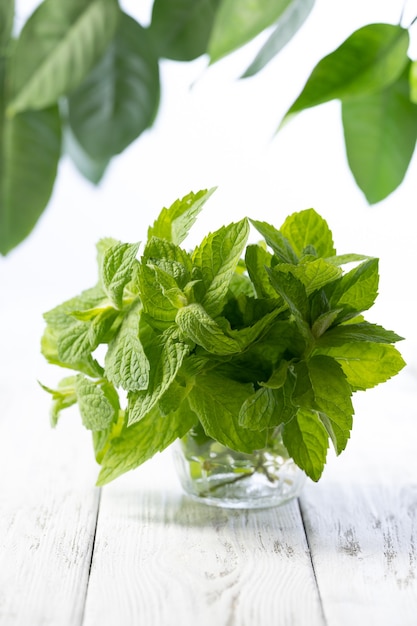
x=139 y=552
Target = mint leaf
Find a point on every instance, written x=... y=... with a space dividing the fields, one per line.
x=216 y=401
x=116 y=270
x=366 y=364
x=170 y=258
x=257 y=412
x=173 y=224
x=196 y=324
x=323 y=322
x=355 y=291
x=257 y=259
x=49 y=349
x=217 y=258
x=294 y=294
x=62 y=397
x=306 y=440
x=156 y=303
x=126 y=364
x=276 y=241
x=308 y=228
x=98 y=402
x=332 y=395
x=351 y=333
x=140 y=442
x=315 y=274
x=165 y=356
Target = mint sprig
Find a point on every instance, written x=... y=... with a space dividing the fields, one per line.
x=233 y=340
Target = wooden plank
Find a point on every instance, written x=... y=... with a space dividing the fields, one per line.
x=48 y=512
x=363 y=540
x=161 y=559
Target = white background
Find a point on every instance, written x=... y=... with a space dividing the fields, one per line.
x=214 y=130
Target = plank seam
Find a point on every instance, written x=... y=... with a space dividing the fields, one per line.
x=93 y=545
x=300 y=508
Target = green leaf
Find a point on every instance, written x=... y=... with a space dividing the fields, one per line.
x=258 y=411
x=116 y=270
x=49 y=348
x=366 y=364
x=313 y=274
x=62 y=397
x=170 y=258
x=57 y=47
x=6 y=23
x=181 y=28
x=413 y=81
x=126 y=364
x=217 y=257
x=257 y=259
x=196 y=324
x=29 y=153
x=270 y=406
x=216 y=401
x=352 y=333
x=355 y=291
x=174 y=223
x=308 y=228
x=288 y=24
x=291 y=290
x=370 y=59
x=98 y=402
x=92 y=169
x=306 y=440
x=140 y=442
x=276 y=240
x=119 y=98
x=323 y=322
x=332 y=394
x=236 y=23
x=165 y=357
x=380 y=135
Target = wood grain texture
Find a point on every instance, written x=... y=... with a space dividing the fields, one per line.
x=162 y=560
x=363 y=540
x=48 y=512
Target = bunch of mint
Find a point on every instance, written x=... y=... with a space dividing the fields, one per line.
x=239 y=340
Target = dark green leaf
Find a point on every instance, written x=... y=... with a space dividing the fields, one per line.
x=217 y=402
x=140 y=442
x=351 y=333
x=119 y=98
x=57 y=47
x=370 y=59
x=288 y=24
x=181 y=28
x=380 y=134
x=307 y=441
x=291 y=290
x=332 y=394
x=6 y=24
x=92 y=169
x=29 y=153
x=236 y=23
